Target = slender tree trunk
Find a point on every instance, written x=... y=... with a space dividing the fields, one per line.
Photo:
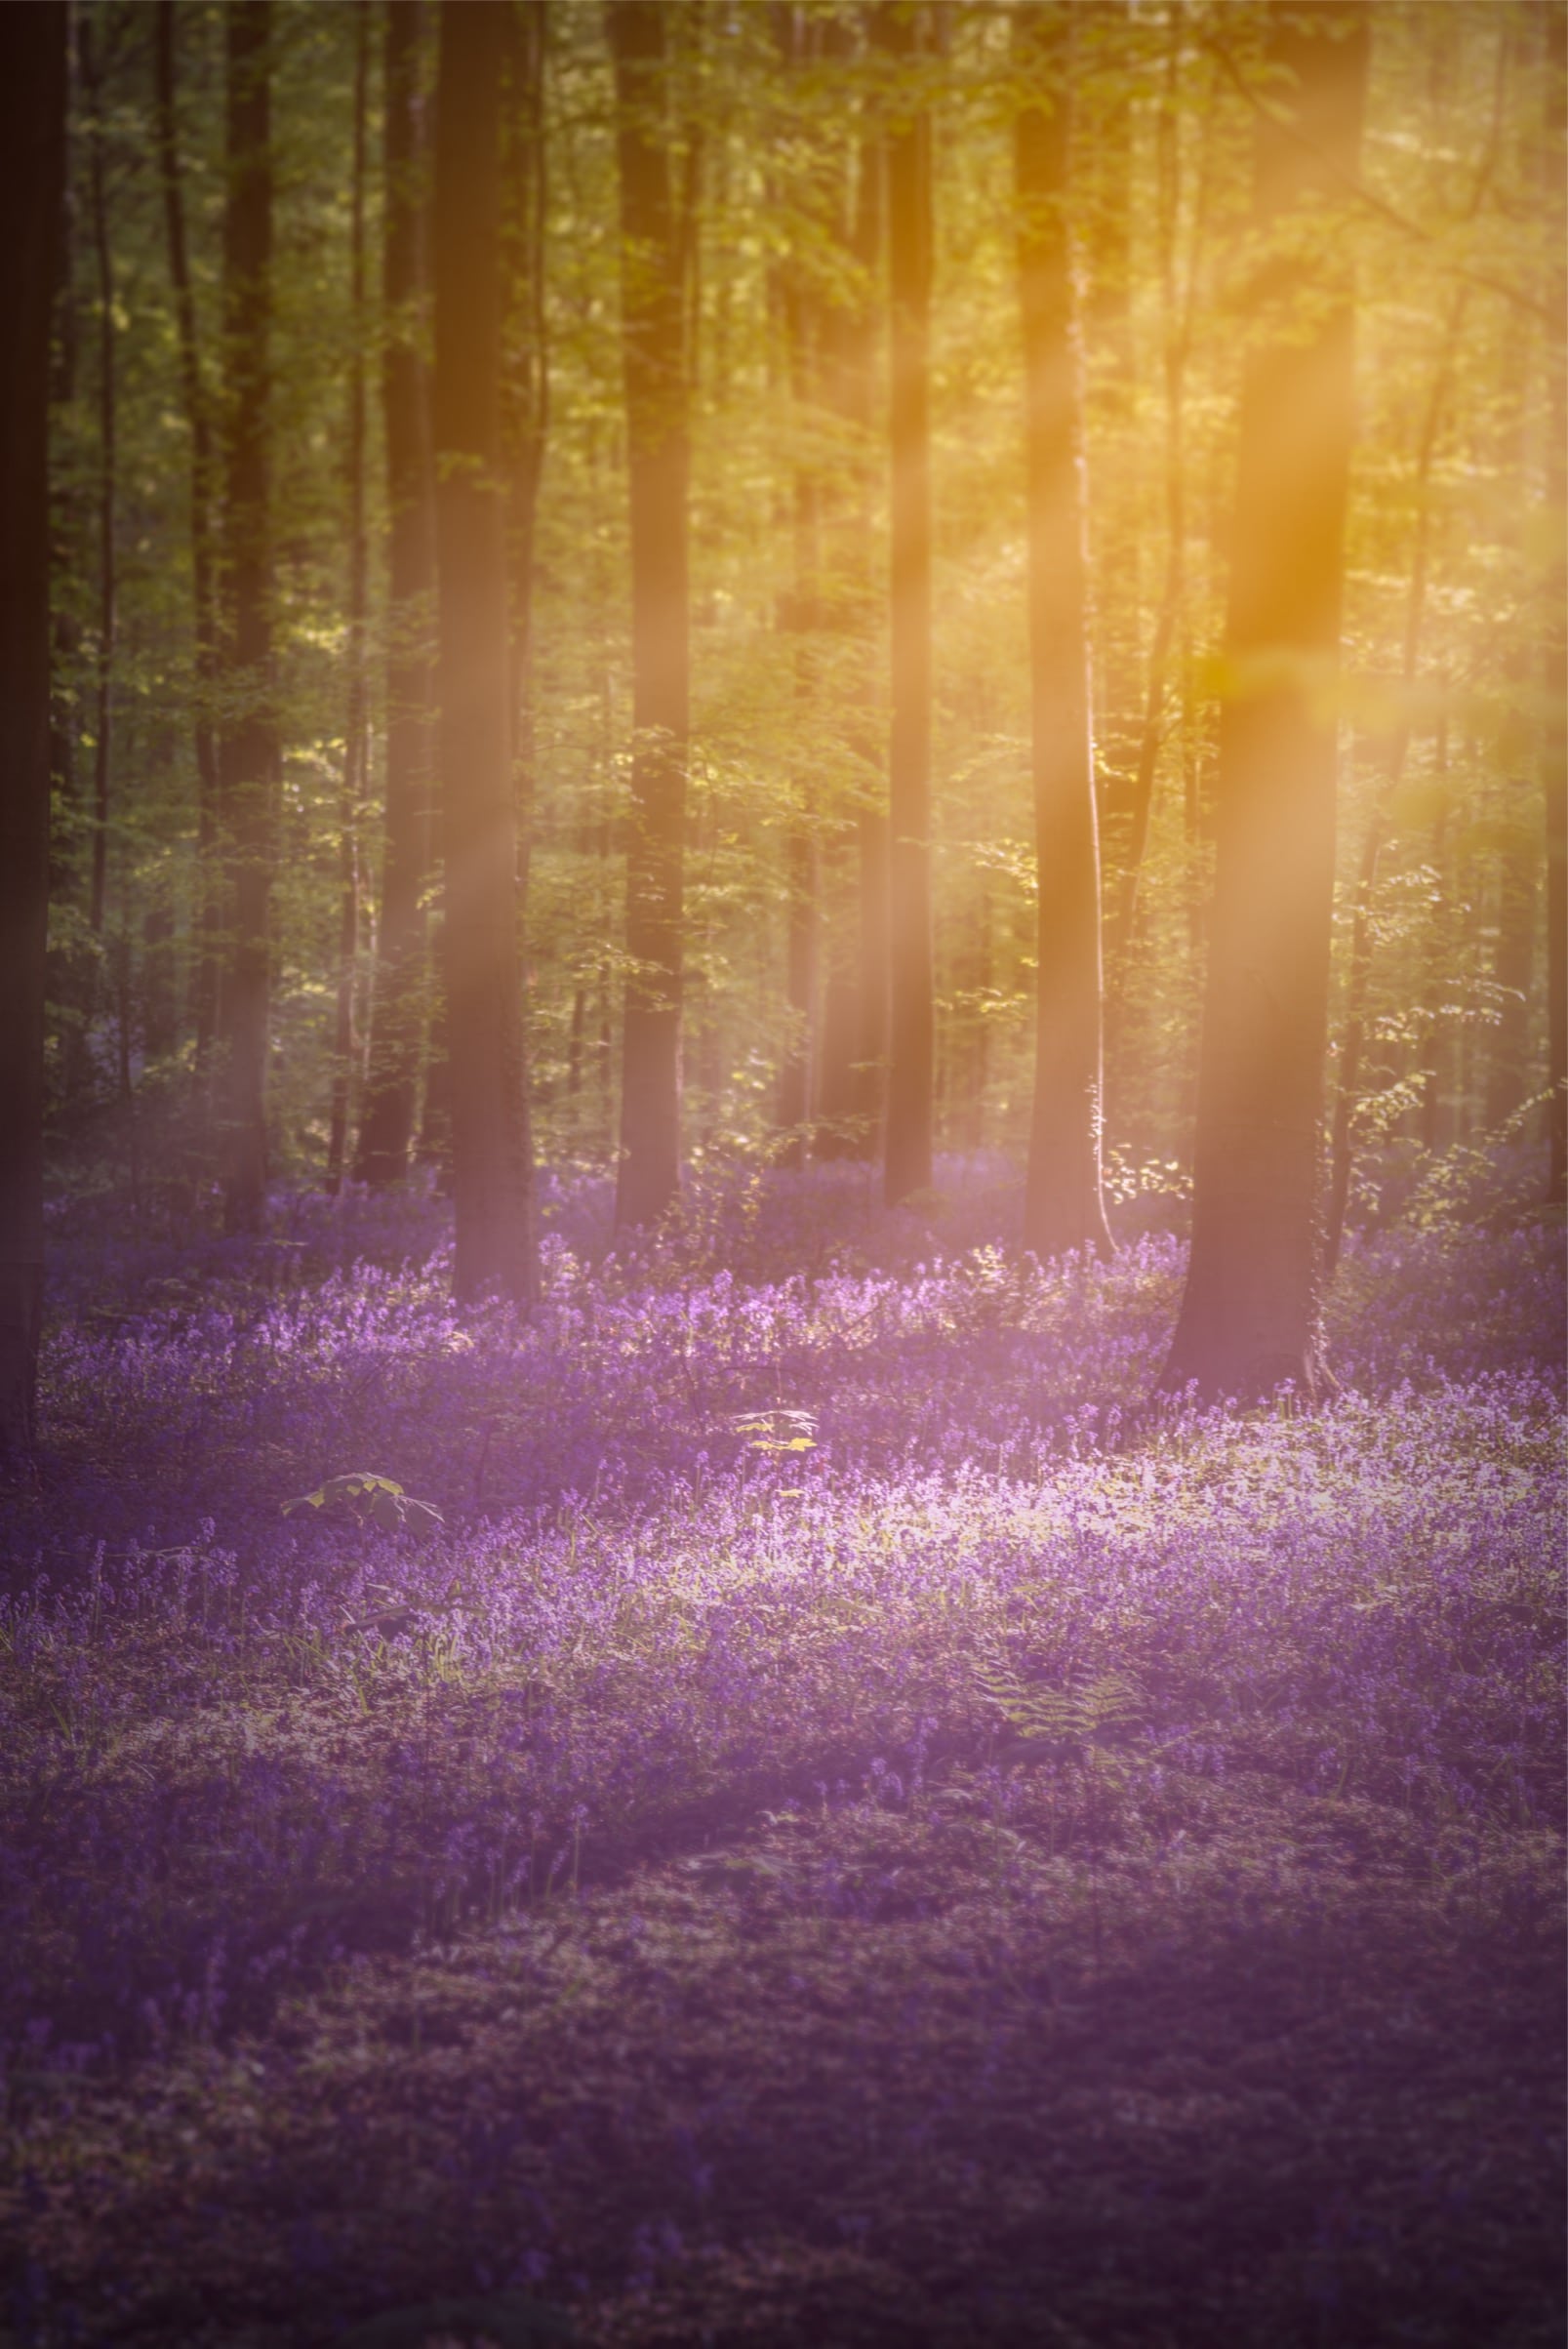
x=492 y=1155
x=248 y=757
x=203 y=482
x=801 y=617
x=33 y=170
x=907 y=1141
x=1063 y=1204
x=1554 y=641
x=871 y=825
x=108 y=567
x=525 y=375
x=399 y=1018
x=355 y=730
x=1248 y=1316
x=64 y=503
x=657 y=438
x=1102 y=169
x=854 y=1001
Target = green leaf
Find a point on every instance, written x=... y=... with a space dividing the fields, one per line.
x=374 y=1500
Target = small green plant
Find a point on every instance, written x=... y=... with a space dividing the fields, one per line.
x=1060 y=1724
x=371 y=1501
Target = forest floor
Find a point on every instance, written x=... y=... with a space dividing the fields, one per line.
x=846 y=1828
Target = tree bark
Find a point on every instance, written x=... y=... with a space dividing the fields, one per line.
x=912 y=1020
x=202 y=481
x=1063 y=1208
x=658 y=454
x=108 y=568
x=1554 y=636
x=399 y=1011
x=1249 y=1316
x=492 y=1155
x=853 y=1058
x=800 y=617
x=248 y=759
x=355 y=733
x=33 y=170
x=525 y=375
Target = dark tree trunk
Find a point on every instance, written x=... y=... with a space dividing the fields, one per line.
x=1248 y=1316
x=65 y=526
x=248 y=758
x=657 y=440
x=908 y=1143
x=525 y=375
x=492 y=1156
x=1063 y=1204
x=344 y=1036
x=32 y=166
x=398 y=1022
x=1554 y=646
x=108 y=567
x=203 y=485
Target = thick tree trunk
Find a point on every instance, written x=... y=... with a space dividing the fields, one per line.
x=65 y=502
x=399 y=1015
x=203 y=484
x=492 y=1156
x=1554 y=643
x=1249 y=1317
x=344 y=1036
x=657 y=441
x=248 y=758
x=525 y=375
x=108 y=405
x=1063 y=1204
x=32 y=165
x=912 y=1019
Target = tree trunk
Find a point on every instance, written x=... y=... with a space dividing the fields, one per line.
x=657 y=441
x=800 y=617
x=107 y=569
x=525 y=375
x=1063 y=1204
x=853 y=1055
x=64 y=502
x=1554 y=643
x=911 y=1022
x=345 y=1043
x=203 y=479
x=32 y=167
x=248 y=758
x=1248 y=1316
x=398 y=1021
x=492 y=1156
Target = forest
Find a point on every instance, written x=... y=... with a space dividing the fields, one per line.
x=783 y=1146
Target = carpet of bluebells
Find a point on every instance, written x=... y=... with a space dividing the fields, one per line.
x=818 y=1812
